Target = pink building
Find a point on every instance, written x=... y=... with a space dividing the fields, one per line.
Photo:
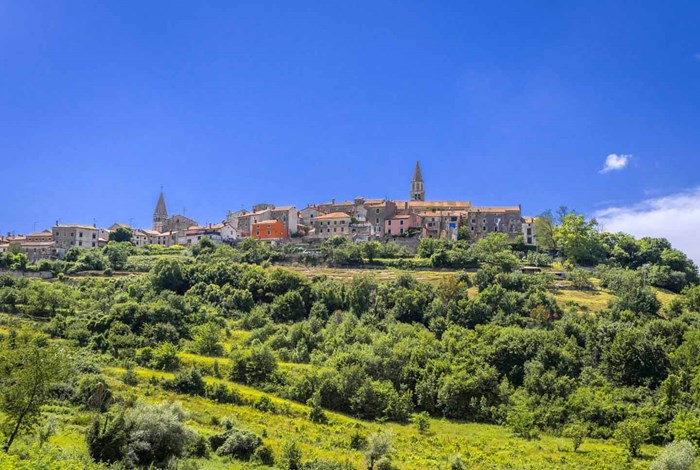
x=400 y=224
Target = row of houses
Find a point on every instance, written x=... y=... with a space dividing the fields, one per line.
x=359 y=219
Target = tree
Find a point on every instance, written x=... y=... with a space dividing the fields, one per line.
x=422 y=422
x=288 y=307
x=167 y=274
x=316 y=413
x=544 y=231
x=118 y=253
x=207 y=339
x=578 y=239
x=371 y=250
x=378 y=446
x=577 y=432
x=522 y=420
x=146 y=435
x=632 y=433
x=291 y=455
x=121 y=234
x=30 y=367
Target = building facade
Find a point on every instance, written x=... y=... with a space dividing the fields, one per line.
x=270 y=230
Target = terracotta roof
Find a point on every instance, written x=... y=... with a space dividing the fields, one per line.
x=442 y=213
x=333 y=215
x=494 y=209
x=529 y=220
x=45 y=233
x=283 y=208
x=264 y=222
x=87 y=227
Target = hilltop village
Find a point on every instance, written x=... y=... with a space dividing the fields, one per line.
x=358 y=220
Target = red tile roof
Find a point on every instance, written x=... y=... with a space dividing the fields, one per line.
x=333 y=215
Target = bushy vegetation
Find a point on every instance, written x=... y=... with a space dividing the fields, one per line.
x=491 y=346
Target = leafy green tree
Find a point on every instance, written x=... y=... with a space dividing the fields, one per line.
x=146 y=435
x=167 y=274
x=686 y=426
x=577 y=432
x=291 y=455
x=544 y=231
x=361 y=293
x=422 y=422
x=316 y=413
x=632 y=433
x=578 y=239
x=288 y=307
x=30 y=366
x=118 y=253
x=165 y=357
x=207 y=339
x=521 y=420
x=121 y=234
x=371 y=250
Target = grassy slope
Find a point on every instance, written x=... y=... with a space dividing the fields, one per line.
x=481 y=446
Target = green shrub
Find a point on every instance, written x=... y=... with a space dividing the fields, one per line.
x=264 y=455
x=421 y=421
x=678 y=455
x=291 y=456
x=577 y=432
x=632 y=433
x=240 y=444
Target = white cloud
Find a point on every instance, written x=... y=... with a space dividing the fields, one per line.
x=615 y=162
x=675 y=217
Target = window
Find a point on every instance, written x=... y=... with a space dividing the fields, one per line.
x=388 y=231
x=401 y=222
x=388 y=222
x=257 y=233
x=268 y=232
x=93 y=244
x=335 y=229
x=94 y=235
x=80 y=243
x=377 y=219
x=80 y=234
x=377 y=211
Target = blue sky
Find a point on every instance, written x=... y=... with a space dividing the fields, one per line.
x=231 y=103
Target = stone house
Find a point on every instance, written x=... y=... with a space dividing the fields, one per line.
x=67 y=236
x=335 y=223
x=441 y=224
x=484 y=220
x=308 y=215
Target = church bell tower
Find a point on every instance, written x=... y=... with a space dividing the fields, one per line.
x=417 y=190
x=160 y=216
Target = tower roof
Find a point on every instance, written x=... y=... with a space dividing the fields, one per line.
x=416 y=173
x=160 y=207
